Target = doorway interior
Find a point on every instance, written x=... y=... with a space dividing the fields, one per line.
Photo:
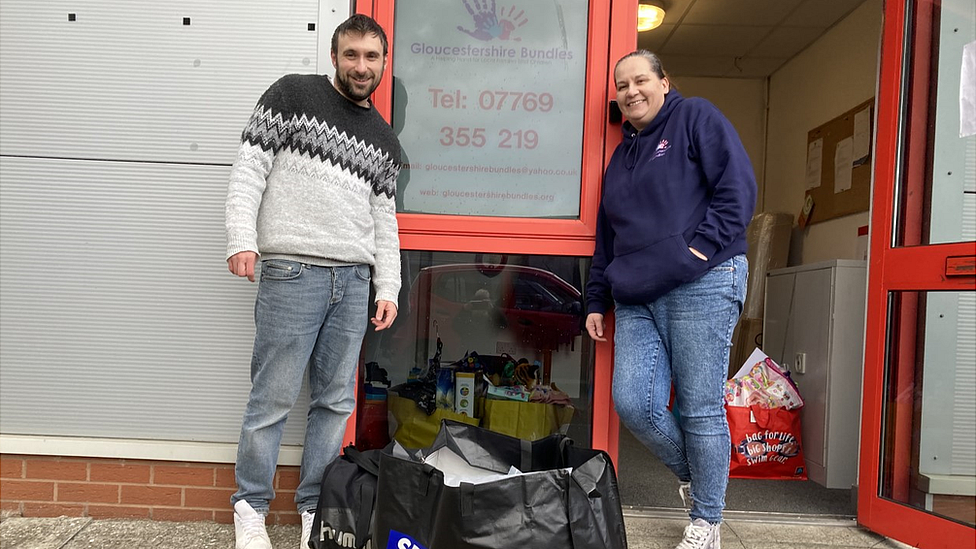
x=776 y=70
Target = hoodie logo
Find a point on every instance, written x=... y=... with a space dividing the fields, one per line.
x=662 y=148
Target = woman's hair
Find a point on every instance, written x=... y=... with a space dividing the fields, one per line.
x=654 y=61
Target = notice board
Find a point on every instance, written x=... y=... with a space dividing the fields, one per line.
x=838 y=171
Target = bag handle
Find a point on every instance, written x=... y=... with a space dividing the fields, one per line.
x=526 y=456
x=367 y=499
x=367 y=494
x=467 y=499
x=362 y=461
x=314 y=541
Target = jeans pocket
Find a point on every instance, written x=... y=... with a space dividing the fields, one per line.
x=280 y=269
x=727 y=266
x=362 y=272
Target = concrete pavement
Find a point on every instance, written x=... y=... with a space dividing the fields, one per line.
x=646 y=529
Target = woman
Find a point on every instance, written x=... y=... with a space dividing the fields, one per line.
x=670 y=257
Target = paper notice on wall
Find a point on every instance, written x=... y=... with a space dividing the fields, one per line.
x=862 y=136
x=967 y=91
x=814 y=163
x=843 y=164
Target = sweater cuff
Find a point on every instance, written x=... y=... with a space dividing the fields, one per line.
x=239 y=244
x=392 y=300
x=703 y=245
x=596 y=306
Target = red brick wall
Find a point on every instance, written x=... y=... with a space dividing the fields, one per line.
x=43 y=486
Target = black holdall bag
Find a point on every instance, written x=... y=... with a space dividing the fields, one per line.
x=344 y=515
x=565 y=498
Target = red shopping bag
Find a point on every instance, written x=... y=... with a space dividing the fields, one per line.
x=765 y=443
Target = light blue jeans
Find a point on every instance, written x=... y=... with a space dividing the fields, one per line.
x=305 y=316
x=682 y=338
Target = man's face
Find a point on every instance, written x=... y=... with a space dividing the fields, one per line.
x=359 y=64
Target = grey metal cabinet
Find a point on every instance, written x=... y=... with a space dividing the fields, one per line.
x=814 y=326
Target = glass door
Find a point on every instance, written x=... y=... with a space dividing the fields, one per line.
x=918 y=434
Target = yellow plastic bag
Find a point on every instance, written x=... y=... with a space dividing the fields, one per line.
x=415 y=429
x=526 y=420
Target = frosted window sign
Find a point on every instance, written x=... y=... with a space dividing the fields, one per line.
x=488 y=104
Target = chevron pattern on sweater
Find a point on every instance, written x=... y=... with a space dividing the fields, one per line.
x=328 y=175
x=266 y=129
x=319 y=140
x=326 y=142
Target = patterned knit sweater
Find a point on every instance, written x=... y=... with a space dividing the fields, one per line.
x=315 y=181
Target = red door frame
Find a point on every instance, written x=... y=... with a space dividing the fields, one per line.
x=538 y=236
x=909 y=268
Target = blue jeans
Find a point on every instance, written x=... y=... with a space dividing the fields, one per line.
x=683 y=338
x=305 y=316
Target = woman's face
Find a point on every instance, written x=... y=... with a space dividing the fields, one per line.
x=640 y=93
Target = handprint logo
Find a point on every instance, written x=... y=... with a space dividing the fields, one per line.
x=488 y=25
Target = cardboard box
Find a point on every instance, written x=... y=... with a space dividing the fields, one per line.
x=445 y=390
x=768 y=237
x=861 y=251
x=411 y=427
x=464 y=393
x=526 y=420
x=745 y=339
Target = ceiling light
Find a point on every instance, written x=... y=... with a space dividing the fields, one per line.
x=650 y=15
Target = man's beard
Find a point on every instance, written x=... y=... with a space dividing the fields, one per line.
x=349 y=91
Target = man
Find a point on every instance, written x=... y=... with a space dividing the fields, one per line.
x=312 y=192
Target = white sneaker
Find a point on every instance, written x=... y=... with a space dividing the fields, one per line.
x=249 y=529
x=308 y=520
x=701 y=535
x=684 y=490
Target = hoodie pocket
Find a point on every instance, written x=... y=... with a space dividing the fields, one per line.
x=646 y=274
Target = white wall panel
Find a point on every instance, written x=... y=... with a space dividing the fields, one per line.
x=129 y=81
x=118 y=315
x=118 y=318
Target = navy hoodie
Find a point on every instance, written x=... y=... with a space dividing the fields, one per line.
x=685 y=180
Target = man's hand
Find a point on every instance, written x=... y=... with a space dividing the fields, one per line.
x=242 y=264
x=386 y=312
x=594 y=326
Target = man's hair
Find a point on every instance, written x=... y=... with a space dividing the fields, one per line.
x=361 y=25
x=656 y=66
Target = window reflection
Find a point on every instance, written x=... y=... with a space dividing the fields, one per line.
x=936 y=194
x=495 y=340
x=928 y=458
